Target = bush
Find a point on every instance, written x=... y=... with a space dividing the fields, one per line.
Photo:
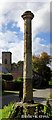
x=19 y=84
x=7 y=77
x=3 y=85
x=12 y=85
x=20 y=79
x=50 y=82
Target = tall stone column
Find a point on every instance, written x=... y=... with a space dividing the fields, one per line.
x=27 y=73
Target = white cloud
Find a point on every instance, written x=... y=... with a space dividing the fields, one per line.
x=17 y=51
x=39 y=47
x=41 y=21
x=10 y=42
x=7 y=38
x=25 y=1
x=11 y=12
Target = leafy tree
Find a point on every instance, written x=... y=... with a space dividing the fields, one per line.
x=35 y=63
x=40 y=65
x=14 y=65
x=44 y=58
x=19 y=63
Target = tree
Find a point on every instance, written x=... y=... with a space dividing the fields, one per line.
x=44 y=58
x=35 y=63
x=39 y=65
x=14 y=66
x=19 y=63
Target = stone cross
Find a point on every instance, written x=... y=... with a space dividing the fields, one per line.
x=27 y=72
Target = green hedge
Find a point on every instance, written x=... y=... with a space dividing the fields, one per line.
x=50 y=82
x=12 y=85
x=18 y=84
x=7 y=77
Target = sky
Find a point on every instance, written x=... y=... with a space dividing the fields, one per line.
x=12 y=27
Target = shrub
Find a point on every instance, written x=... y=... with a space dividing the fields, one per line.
x=12 y=85
x=20 y=79
x=7 y=77
x=50 y=82
x=3 y=85
x=19 y=84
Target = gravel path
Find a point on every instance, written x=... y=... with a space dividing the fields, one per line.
x=9 y=98
x=43 y=93
x=39 y=95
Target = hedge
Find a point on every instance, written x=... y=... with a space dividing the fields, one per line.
x=11 y=85
x=7 y=77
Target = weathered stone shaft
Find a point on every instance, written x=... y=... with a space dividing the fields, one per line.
x=27 y=73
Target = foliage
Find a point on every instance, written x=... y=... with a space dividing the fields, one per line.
x=13 y=85
x=44 y=58
x=19 y=63
x=40 y=65
x=19 y=83
x=16 y=65
x=3 y=85
x=35 y=63
x=45 y=72
x=48 y=109
x=19 y=79
x=7 y=76
x=0 y=114
x=50 y=82
x=15 y=110
x=40 y=61
x=6 y=111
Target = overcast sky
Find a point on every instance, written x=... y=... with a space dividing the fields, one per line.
x=12 y=27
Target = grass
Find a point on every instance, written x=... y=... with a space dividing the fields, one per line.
x=0 y=114
x=6 y=111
